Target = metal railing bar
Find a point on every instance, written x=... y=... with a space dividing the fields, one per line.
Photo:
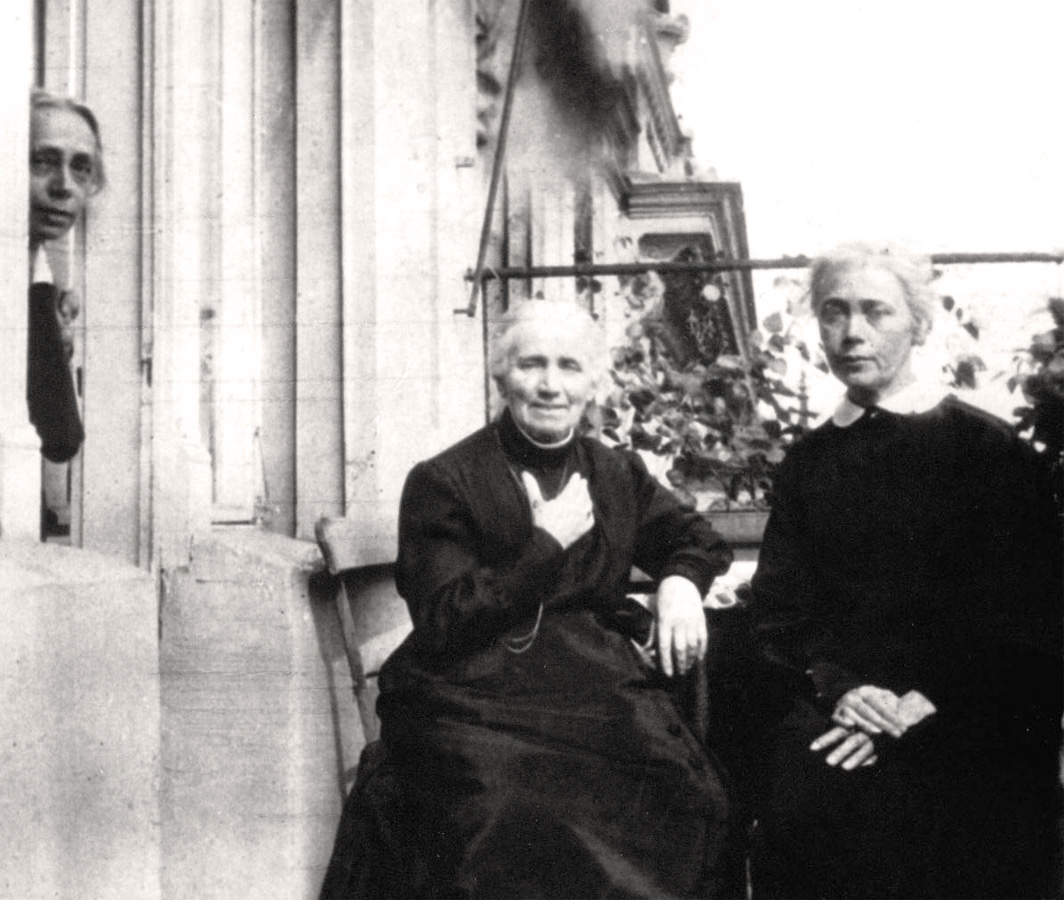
x=504 y=273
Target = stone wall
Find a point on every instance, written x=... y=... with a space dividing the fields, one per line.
x=260 y=728
x=79 y=715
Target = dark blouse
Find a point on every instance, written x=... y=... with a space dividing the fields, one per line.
x=472 y=567
x=50 y=394
x=921 y=552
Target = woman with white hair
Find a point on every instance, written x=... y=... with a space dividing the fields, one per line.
x=541 y=753
x=909 y=587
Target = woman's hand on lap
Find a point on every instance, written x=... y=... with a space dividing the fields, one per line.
x=851 y=749
x=871 y=709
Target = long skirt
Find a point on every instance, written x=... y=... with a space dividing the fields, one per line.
x=566 y=770
x=907 y=827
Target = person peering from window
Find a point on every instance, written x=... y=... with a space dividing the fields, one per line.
x=541 y=753
x=910 y=584
x=66 y=169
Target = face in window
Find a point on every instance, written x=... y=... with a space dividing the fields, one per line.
x=62 y=171
x=868 y=330
x=549 y=381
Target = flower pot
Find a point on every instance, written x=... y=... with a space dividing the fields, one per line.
x=740 y=527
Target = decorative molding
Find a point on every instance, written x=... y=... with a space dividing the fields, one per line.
x=654 y=80
x=671 y=31
x=709 y=206
x=490 y=66
x=622 y=133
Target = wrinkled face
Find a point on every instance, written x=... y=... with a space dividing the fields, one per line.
x=548 y=383
x=62 y=171
x=868 y=332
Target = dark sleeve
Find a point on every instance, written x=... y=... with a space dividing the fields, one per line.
x=53 y=403
x=456 y=600
x=1009 y=684
x=1025 y=536
x=784 y=591
x=673 y=539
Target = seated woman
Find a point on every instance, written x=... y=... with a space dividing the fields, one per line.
x=910 y=583
x=542 y=755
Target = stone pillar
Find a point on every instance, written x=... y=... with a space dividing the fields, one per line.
x=79 y=710
x=412 y=201
x=237 y=350
x=276 y=225
x=319 y=422
x=183 y=118
x=259 y=722
x=20 y=461
x=116 y=308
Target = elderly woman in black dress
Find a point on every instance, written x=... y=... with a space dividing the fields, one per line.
x=542 y=756
x=909 y=586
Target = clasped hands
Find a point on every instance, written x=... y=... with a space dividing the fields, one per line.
x=862 y=713
x=680 y=635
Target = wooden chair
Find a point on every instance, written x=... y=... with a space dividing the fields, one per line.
x=373 y=616
x=374 y=854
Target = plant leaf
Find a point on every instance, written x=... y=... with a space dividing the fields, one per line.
x=774 y=323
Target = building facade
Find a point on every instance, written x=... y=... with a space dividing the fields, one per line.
x=277 y=322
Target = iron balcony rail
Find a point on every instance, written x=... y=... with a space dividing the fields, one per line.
x=590 y=270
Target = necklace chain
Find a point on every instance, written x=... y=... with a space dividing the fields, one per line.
x=523 y=643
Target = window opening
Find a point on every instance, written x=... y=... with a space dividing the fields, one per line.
x=698 y=321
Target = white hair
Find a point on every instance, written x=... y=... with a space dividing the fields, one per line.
x=555 y=312
x=912 y=270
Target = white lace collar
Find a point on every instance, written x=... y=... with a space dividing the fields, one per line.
x=40 y=269
x=916 y=397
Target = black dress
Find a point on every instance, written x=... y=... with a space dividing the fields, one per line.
x=541 y=756
x=50 y=394
x=914 y=552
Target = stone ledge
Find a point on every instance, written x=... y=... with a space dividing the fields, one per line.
x=259 y=720
x=242 y=544
x=30 y=564
x=79 y=704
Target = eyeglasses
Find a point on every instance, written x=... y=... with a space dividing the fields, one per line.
x=46 y=161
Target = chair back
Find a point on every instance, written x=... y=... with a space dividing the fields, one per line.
x=373 y=617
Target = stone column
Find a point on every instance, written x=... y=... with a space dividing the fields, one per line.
x=319 y=441
x=20 y=461
x=116 y=308
x=412 y=202
x=183 y=118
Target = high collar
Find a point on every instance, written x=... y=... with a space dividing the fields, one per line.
x=40 y=269
x=527 y=453
x=916 y=397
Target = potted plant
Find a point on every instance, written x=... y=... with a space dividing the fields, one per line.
x=713 y=425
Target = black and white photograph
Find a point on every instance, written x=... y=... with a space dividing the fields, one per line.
x=532 y=450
